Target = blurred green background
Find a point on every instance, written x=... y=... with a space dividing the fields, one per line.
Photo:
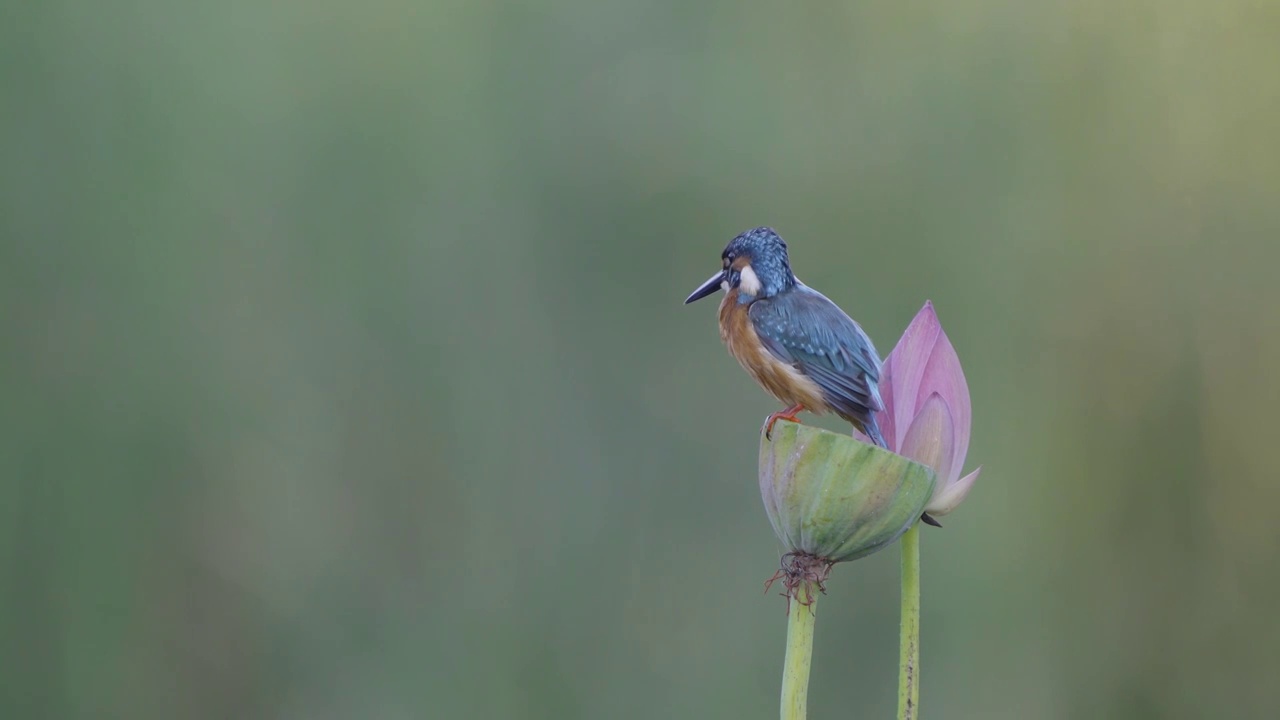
x=344 y=371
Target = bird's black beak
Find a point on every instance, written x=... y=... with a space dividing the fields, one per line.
x=711 y=285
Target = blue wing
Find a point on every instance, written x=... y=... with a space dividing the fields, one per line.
x=809 y=332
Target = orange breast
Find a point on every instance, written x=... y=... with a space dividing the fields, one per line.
x=782 y=381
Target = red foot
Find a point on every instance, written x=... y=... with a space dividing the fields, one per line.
x=789 y=415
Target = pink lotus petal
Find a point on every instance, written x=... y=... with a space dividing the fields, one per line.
x=924 y=389
x=944 y=376
x=862 y=437
x=903 y=371
x=946 y=499
x=931 y=440
x=885 y=417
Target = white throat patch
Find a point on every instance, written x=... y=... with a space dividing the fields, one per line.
x=747 y=281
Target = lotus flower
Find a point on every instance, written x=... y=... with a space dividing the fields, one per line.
x=926 y=413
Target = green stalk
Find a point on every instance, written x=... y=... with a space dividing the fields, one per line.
x=795 y=670
x=909 y=645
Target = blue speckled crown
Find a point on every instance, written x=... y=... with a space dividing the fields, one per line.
x=768 y=256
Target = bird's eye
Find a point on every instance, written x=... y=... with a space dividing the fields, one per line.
x=735 y=277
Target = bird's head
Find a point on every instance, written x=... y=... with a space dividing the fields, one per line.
x=755 y=263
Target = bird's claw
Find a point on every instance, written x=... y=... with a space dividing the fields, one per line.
x=789 y=415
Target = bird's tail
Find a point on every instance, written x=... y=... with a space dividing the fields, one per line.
x=872 y=430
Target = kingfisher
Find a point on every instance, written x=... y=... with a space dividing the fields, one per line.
x=798 y=345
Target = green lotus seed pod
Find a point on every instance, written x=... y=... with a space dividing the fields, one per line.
x=833 y=497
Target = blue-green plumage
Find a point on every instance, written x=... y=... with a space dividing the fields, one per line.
x=795 y=342
x=803 y=328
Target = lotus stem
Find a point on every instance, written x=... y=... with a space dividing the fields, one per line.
x=795 y=670
x=909 y=645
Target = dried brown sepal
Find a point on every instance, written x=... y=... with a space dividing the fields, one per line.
x=800 y=574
